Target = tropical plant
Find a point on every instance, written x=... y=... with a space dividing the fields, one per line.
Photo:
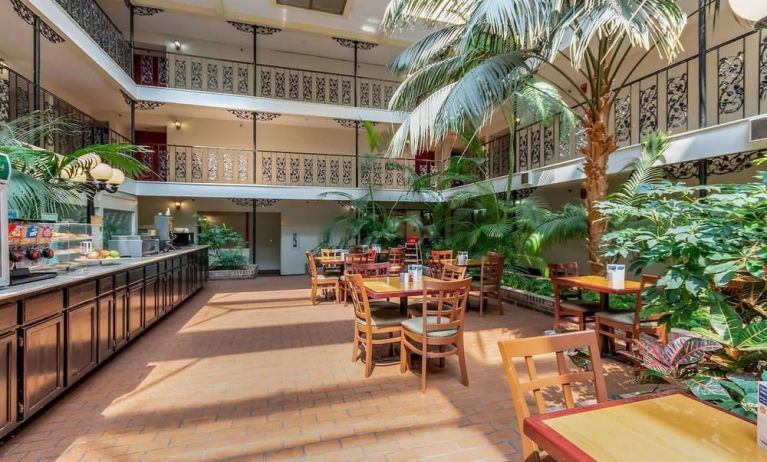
x=225 y=243
x=43 y=180
x=483 y=52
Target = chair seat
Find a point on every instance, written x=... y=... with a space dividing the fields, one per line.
x=383 y=305
x=415 y=325
x=626 y=318
x=384 y=318
x=324 y=277
x=396 y=268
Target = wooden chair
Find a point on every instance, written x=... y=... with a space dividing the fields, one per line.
x=369 y=322
x=321 y=280
x=452 y=272
x=372 y=256
x=440 y=326
x=489 y=284
x=565 y=378
x=368 y=270
x=359 y=248
x=568 y=301
x=352 y=258
x=437 y=259
x=631 y=325
x=396 y=260
x=332 y=253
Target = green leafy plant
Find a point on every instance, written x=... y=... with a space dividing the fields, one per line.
x=225 y=244
x=43 y=179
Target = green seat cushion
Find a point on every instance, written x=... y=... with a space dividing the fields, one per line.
x=384 y=318
x=415 y=325
x=625 y=317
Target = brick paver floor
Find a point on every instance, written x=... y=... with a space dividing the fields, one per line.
x=249 y=371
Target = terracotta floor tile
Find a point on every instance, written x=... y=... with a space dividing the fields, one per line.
x=250 y=371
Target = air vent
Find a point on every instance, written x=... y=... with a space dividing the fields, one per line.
x=324 y=6
x=758 y=129
x=524 y=178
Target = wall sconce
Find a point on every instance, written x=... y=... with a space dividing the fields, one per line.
x=177 y=44
x=177 y=124
x=178 y=205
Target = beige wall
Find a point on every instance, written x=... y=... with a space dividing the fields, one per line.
x=306 y=218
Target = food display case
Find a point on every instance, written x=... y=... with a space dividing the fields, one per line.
x=39 y=250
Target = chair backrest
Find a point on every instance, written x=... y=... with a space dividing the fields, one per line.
x=439 y=255
x=359 y=248
x=526 y=349
x=492 y=271
x=361 y=257
x=447 y=301
x=359 y=298
x=397 y=256
x=370 y=270
x=647 y=280
x=437 y=259
x=331 y=253
x=372 y=255
x=311 y=264
x=453 y=272
x=560 y=270
x=497 y=255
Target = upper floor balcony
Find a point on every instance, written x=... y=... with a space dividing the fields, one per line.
x=199 y=73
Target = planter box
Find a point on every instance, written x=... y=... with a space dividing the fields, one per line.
x=528 y=300
x=250 y=272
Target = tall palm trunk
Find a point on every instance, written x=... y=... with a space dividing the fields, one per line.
x=601 y=143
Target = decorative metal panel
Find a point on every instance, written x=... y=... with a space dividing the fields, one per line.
x=321 y=171
x=228 y=167
x=212 y=77
x=293 y=85
x=677 y=95
x=242 y=168
x=196 y=166
x=308 y=170
x=228 y=79
x=623 y=119
x=347 y=173
x=266 y=169
x=180 y=165
x=648 y=110
x=731 y=83
x=295 y=170
x=549 y=147
x=196 y=75
x=335 y=168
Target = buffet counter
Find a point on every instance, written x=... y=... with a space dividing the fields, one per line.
x=53 y=332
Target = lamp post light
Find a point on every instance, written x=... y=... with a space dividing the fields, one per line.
x=751 y=10
x=97 y=175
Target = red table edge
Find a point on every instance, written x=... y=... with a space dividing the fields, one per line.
x=568 y=281
x=563 y=450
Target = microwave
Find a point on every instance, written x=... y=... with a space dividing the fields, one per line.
x=135 y=246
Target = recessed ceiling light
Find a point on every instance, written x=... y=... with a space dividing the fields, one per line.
x=324 y=6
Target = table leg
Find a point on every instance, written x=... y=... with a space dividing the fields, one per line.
x=604 y=305
x=403 y=305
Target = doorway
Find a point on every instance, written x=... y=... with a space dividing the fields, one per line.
x=268 y=242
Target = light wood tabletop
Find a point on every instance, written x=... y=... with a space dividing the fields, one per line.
x=330 y=261
x=658 y=427
x=392 y=287
x=471 y=263
x=600 y=284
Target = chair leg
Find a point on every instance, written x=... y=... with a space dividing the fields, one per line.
x=462 y=364
x=402 y=355
x=581 y=321
x=356 y=350
x=442 y=359
x=338 y=292
x=481 y=304
x=556 y=318
x=368 y=354
x=314 y=294
x=500 y=302
x=424 y=359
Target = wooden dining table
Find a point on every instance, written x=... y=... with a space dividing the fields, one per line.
x=471 y=263
x=392 y=287
x=656 y=427
x=600 y=285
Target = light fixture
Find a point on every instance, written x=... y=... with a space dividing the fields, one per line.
x=101 y=172
x=177 y=44
x=177 y=124
x=89 y=160
x=178 y=205
x=751 y=10
x=117 y=178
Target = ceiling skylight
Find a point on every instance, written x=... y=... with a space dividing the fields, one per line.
x=324 y=6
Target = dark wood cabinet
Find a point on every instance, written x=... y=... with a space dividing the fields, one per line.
x=81 y=323
x=106 y=326
x=150 y=300
x=135 y=309
x=43 y=355
x=120 y=318
x=9 y=397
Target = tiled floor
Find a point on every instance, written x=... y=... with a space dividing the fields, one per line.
x=249 y=371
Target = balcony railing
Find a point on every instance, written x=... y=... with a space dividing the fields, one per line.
x=174 y=70
x=203 y=164
x=17 y=100
x=665 y=101
x=89 y=15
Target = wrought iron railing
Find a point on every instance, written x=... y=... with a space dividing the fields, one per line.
x=95 y=22
x=665 y=101
x=17 y=100
x=200 y=73
x=203 y=164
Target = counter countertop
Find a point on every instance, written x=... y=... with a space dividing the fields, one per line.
x=86 y=273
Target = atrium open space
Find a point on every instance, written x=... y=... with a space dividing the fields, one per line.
x=393 y=230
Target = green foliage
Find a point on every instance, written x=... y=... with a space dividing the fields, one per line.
x=37 y=184
x=225 y=245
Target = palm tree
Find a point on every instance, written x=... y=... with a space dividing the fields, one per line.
x=483 y=52
x=45 y=181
